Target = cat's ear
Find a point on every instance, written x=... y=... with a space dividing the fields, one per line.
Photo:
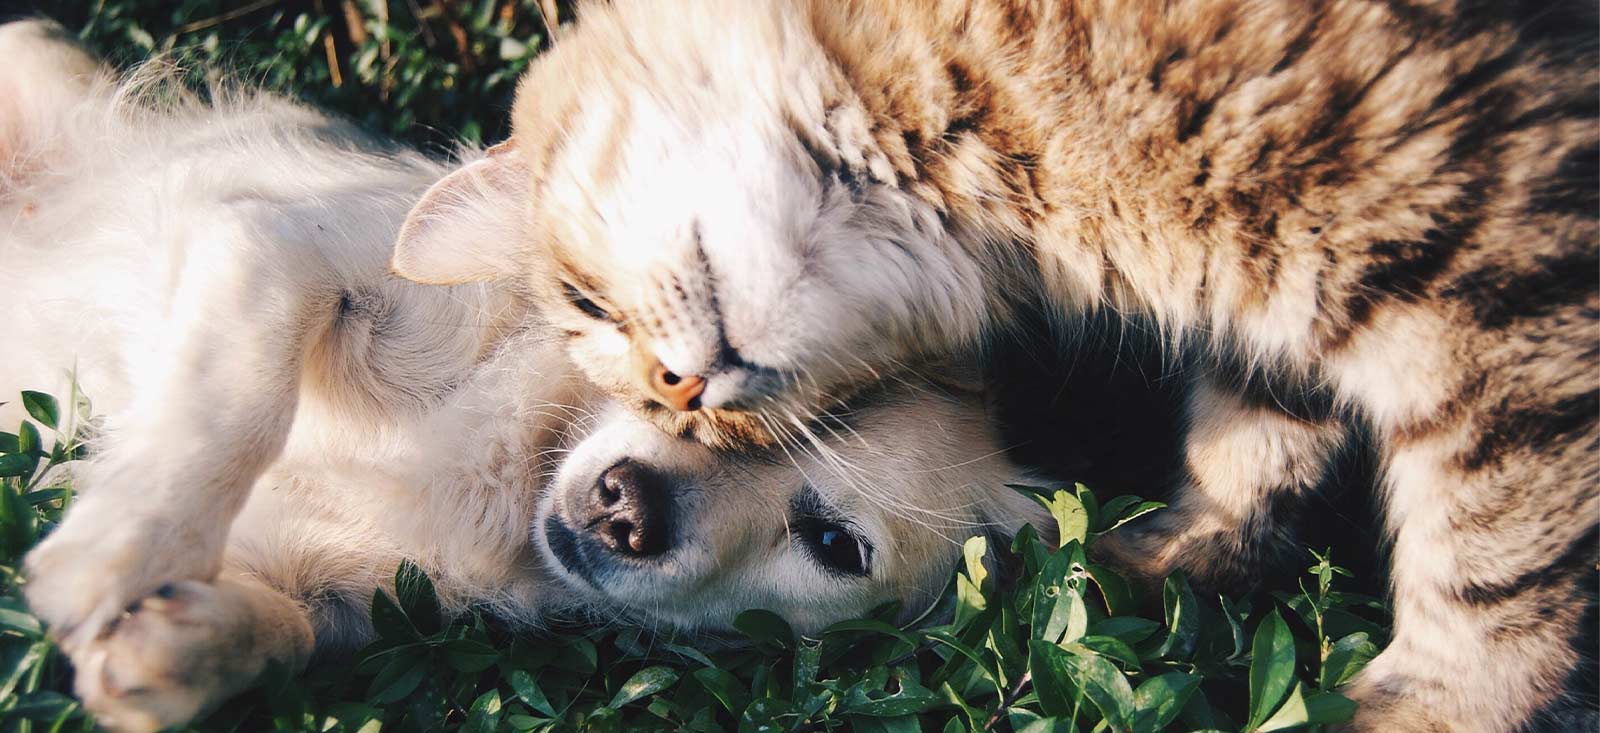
x=469 y=226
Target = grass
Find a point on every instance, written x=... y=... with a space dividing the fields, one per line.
x=429 y=72
x=1059 y=647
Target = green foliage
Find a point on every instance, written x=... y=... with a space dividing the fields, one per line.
x=1060 y=648
x=424 y=71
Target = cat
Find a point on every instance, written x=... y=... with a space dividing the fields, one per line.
x=1363 y=212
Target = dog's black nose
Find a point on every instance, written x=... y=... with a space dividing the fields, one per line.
x=629 y=512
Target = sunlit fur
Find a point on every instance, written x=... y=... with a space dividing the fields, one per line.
x=284 y=423
x=1385 y=211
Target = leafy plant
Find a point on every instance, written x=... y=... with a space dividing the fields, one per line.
x=428 y=72
x=1056 y=643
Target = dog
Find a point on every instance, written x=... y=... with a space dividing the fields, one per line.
x=282 y=422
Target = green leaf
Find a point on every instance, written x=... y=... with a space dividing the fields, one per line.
x=484 y=715
x=42 y=407
x=1183 y=618
x=13 y=617
x=16 y=464
x=417 y=598
x=1235 y=629
x=1047 y=725
x=1072 y=520
x=970 y=602
x=971 y=655
x=1091 y=506
x=1130 y=629
x=901 y=724
x=43 y=705
x=1142 y=509
x=17 y=661
x=765 y=627
x=722 y=685
x=1110 y=647
x=972 y=552
x=873 y=696
x=1271 y=667
x=528 y=690
x=1327 y=708
x=866 y=625
x=1160 y=699
x=768 y=715
x=389 y=621
x=397 y=678
x=647 y=681
x=1058 y=610
x=1114 y=509
x=1104 y=685
x=807 y=660
x=1347 y=656
x=8 y=442
x=469 y=656
x=527 y=723
x=1320 y=708
x=1058 y=695
x=1113 y=590
x=28 y=440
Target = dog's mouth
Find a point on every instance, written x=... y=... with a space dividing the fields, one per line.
x=561 y=545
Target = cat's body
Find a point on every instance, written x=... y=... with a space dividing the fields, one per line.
x=1362 y=211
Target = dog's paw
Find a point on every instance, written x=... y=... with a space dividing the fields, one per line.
x=169 y=657
x=93 y=566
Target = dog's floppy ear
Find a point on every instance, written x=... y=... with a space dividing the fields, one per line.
x=468 y=226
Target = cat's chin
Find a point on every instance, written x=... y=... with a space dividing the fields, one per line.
x=721 y=429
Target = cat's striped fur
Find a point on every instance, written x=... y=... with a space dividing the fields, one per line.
x=1369 y=211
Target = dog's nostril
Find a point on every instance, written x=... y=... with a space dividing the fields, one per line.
x=618 y=536
x=630 y=514
x=679 y=392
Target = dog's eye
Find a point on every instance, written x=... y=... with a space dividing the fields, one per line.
x=833 y=546
x=579 y=301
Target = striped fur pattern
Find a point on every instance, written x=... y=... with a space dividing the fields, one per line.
x=1361 y=210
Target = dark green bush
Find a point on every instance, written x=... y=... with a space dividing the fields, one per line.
x=425 y=71
x=1062 y=648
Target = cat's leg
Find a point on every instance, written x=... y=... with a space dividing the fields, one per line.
x=174 y=655
x=1248 y=464
x=1489 y=560
x=1493 y=502
x=1488 y=592
x=214 y=389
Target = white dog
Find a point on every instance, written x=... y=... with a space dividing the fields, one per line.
x=284 y=422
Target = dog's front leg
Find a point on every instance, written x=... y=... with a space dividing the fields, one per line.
x=174 y=655
x=213 y=398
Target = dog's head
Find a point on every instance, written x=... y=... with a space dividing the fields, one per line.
x=871 y=509
x=710 y=218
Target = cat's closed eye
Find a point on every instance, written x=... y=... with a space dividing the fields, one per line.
x=584 y=303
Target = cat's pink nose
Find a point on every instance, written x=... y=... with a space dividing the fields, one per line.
x=678 y=392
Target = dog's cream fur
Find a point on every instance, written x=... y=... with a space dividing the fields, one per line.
x=284 y=422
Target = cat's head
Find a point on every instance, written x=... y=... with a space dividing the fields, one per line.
x=715 y=231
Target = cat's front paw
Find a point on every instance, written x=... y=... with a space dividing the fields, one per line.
x=169 y=658
x=82 y=577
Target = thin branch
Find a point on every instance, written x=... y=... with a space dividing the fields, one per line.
x=205 y=23
x=1010 y=699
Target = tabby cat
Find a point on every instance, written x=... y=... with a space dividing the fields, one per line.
x=1370 y=212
